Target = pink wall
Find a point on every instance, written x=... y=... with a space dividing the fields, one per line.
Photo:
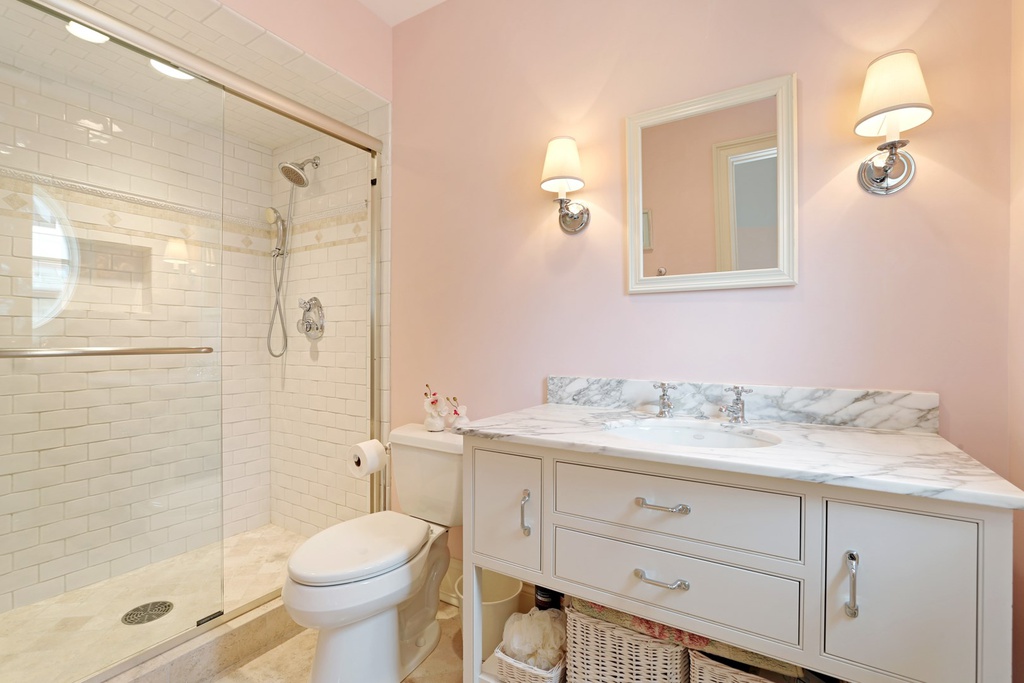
x=343 y=34
x=1016 y=326
x=904 y=292
x=678 y=177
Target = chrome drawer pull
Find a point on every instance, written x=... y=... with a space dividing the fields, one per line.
x=852 y=560
x=678 y=583
x=681 y=509
x=522 y=512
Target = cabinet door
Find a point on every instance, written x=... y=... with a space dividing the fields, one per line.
x=507 y=507
x=916 y=590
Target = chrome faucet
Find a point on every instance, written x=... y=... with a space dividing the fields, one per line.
x=737 y=410
x=664 y=404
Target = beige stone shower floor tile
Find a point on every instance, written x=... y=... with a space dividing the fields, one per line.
x=292 y=661
x=71 y=636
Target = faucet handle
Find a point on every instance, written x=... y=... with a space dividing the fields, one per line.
x=664 y=386
x=305 y=305
x=738 y=390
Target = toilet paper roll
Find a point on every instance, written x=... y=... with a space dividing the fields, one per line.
x=367 y=457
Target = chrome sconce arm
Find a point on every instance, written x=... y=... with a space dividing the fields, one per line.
x=894 y=173
x=572 y=216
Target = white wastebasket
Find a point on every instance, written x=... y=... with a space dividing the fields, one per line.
x=500 y=597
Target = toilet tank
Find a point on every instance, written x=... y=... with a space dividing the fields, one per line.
x=427 y=470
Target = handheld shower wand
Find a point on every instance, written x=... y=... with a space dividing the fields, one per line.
x=273 y=217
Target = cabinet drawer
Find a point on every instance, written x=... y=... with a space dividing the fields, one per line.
x=744 y=519
x=507 y=507
x=741 y=599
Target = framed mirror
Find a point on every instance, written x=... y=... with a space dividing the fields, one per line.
x=712 y=191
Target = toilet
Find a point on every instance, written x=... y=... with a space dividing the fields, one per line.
x=370 y=585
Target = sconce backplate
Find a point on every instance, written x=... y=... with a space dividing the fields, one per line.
x=874 y=179
x=573 y=217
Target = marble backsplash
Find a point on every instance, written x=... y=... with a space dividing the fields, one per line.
x=915 y=411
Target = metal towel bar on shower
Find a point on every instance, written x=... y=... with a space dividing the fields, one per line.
x=104 y=351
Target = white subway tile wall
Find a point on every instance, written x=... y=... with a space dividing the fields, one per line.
x=320 y=390
x=108 y=464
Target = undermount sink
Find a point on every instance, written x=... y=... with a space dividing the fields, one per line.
x=695 y=435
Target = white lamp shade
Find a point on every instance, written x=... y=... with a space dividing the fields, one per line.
x=895 y=97
x=562 y=166
x=176 y=251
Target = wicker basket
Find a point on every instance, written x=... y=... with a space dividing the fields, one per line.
x=706 y=670
x=601 y=652
x=513 y=671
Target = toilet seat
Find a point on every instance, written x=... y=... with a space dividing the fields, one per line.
x=360 y=548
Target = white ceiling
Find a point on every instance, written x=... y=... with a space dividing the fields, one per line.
x=396 y=11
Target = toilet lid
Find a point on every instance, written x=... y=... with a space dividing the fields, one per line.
x=359 y=548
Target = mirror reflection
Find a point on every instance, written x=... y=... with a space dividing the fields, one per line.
x=707 y=181
x=712 y=191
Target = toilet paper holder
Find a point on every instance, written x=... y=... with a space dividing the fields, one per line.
x=358 y=461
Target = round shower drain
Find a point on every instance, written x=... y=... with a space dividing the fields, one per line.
x=143 y=614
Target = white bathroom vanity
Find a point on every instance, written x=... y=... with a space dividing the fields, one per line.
x=871 y=555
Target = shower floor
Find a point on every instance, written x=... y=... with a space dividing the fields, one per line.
x=69 y=637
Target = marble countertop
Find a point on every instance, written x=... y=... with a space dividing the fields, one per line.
x=909 y=463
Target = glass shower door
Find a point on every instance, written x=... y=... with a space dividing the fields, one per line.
x=110 y=366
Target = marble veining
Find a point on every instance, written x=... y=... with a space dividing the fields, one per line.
x=908 y=462
x=893 y=410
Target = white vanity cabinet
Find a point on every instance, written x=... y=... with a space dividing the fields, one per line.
x=506 y=501
x=914 y=579
x=754 y=561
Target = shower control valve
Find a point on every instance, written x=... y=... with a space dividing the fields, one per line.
x=312 y=322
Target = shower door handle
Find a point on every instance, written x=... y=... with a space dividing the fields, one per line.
x=104 y=351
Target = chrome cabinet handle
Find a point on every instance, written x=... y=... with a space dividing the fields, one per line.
x=522 y=512
x=852 y=561
x=681 y=509
x=678 y=583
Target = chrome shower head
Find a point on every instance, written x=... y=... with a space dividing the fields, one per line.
x=294 y=172
x=272 y=215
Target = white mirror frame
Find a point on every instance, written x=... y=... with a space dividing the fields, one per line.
x=783 y=89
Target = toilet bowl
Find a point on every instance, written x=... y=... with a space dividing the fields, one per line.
x=371 y=585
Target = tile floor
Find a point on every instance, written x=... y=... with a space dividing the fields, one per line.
x=68 y=637
x=291 y=661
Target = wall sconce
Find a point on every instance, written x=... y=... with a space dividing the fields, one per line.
x=176 y=251
x=895 y=99
x=562 y=174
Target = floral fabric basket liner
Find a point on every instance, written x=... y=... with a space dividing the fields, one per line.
x=690 y=640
